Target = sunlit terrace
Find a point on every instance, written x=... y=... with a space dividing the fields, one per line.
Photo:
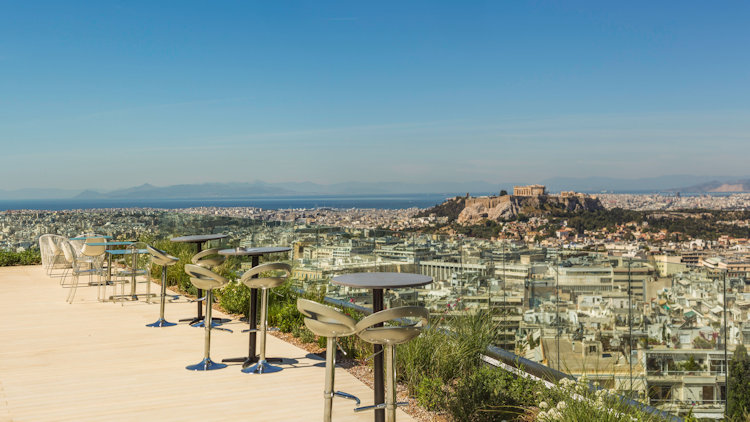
x=95 y=361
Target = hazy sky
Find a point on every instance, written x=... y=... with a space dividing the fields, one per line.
x=106 y=94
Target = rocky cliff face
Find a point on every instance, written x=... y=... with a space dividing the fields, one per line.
x=509 y=207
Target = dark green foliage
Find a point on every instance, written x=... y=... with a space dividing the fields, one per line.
x=487 y=229
x=690 y=364
x=691 y=223
x=431 y=393
x=738 y=395
x=446 y=352
x=235 y=299
x=286 y=317
x=490 y=394
x=701 y=343
x=450 y=208
x=27 y=257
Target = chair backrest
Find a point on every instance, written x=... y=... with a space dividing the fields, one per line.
x=45 y=248
x=266 y=282
x=208 y=258
x=69 y=253
x=78 y=244
x=203 y=278
x=55 y=243
x=325 y=321
x=94 y=251
x=393 y=334
x=160 y=257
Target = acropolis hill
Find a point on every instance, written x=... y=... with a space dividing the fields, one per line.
x=527 y=200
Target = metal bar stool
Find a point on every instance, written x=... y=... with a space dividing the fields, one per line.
x=207 y=280
x=327 y=322
x=207 y=258
x=160 y=257
x=390 y=336
x=264 y=283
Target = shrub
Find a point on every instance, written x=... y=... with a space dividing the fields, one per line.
x=447 y=352
x=578 y=400
x=235 y=298
x=738 y=400
x=431 y=393
x=286 y=317
x=27 y=257
x=490 y=394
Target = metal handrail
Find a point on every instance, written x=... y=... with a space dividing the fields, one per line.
x=549 y=374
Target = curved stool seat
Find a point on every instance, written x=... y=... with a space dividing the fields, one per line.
x=264 y=283
x=327 y=322
x=207 y=258
x=160 y=257
x=389 y=337
x=206 y=279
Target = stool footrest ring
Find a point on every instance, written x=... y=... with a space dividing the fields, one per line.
x=347 y=396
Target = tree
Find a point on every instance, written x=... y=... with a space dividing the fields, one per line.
x=738 y=385
x=503 y=192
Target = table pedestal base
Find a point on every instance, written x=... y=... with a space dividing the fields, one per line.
x=262 y=367
x=247 y=361
x=161 y=323
x=206 y=365
x=198 y=322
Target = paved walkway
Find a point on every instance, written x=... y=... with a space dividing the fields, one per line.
x=92 y=361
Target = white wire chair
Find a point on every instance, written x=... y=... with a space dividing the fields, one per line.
x=135 y=267
x=52 y=255
x=75 y=269
x=45 y=250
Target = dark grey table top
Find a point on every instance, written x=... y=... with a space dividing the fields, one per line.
x=381 y=280
x=253 y=251
x=198 y=238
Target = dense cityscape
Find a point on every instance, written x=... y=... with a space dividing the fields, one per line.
x=645 y=313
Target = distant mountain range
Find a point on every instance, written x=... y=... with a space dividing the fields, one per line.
x=716 y=186
x=259 y=188
x=671 y=183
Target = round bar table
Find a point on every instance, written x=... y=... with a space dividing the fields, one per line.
x=377 y=282
x=252 y=319
x=199 y=240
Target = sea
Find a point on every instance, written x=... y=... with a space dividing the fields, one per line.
x=391 y=201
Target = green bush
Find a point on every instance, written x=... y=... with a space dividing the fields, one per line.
x=430 y=393
x=448 y=351
x=27 y=257
x=235 y=298
x=738 y=404
x=577 y=400
x=490 y=394
x=286 y=317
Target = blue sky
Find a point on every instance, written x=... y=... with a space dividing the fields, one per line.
x=112 y=94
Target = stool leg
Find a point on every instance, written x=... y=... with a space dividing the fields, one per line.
x=390 y=383
x=207 y=364
x=330 y=375
x=207 y=342
x=162 y=322
x=262 y=366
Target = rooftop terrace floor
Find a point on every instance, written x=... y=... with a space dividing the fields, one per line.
x=93 y=361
